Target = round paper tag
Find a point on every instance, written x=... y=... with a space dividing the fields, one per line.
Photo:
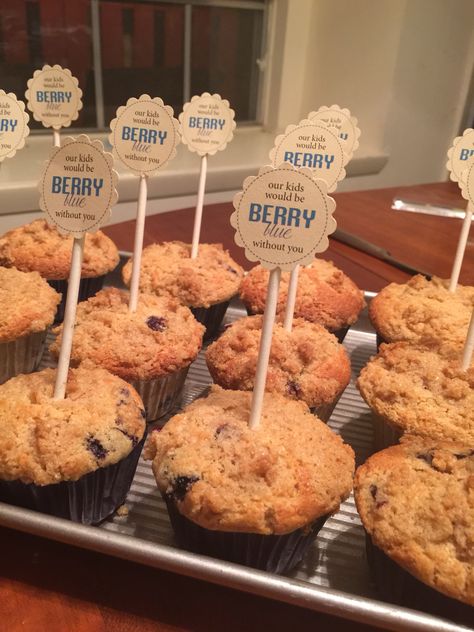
x=207 y=124
x=461 y=155
x=144 y=134
x=340 y=121
x=312 y=146
x=467 y=184
x=283 y=217
x=54 y=96
x=78 y=187
x=13 y=125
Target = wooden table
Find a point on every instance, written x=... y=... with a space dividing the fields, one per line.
x=425 y=242
x=46 y=586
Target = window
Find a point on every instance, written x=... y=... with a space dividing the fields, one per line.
x=123 y=48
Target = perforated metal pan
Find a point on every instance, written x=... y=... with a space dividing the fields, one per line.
x=334 y=577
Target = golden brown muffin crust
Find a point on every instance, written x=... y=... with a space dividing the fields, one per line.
x=275 y=478
x=420 y=391
x=167 y=269
x=424 y=312
x=416 y=500
x=40 y=247
x=325 y=294
x=161 y=337
x=307 y=363
x=45 y=440
x=27 y=304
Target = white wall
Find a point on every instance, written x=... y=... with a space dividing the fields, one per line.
x=403 y=67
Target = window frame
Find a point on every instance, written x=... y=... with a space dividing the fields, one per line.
x=265 y=6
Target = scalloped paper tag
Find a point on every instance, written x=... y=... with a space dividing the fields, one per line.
x=283 y=217
x=466 y=182
x=207 y=124
x=461 y=155
x=342 y=123
x=145 y=134
x=54 y=96
x=314 y=147
x=13 y=125
x=78 y=187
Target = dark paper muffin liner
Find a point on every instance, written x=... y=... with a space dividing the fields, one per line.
x=88 y=500
x=272 y=553
x=87 y=288
x=211 y=317
x=385 y=434
x=339 y=333
x=160 y=395
x=396 y=585
x=22 y=355
x=324 y=411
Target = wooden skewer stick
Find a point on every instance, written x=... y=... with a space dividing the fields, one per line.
x=291 y=300
x=199 y=205
x=468 y=345
x=458 y=259
x=265 y=346
x=69 y=317
x=138 y=245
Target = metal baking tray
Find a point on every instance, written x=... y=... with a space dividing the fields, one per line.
x=333 y=578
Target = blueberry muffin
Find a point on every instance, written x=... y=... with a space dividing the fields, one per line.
x=73 y=457
x=420 y=391
x=423 y=312
x=27 y=308
x=307 y=363
x=325 y=295
x=205 y=284
x=40 y=247
x=152 y=348
x=255 y=496
x=416 y=502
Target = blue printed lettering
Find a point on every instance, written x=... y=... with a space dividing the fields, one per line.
x=162 y=136
x=280 y=215
x=254 y=212
x=466 y=154
x=266 y=213
x=308 y=217
x=142 y=135
x=203 y=122
x=56 y=184
x=8 y=125
x=53 y=96
x=76 y=186
x=294 y=216
x=306 y=159
x=328 y=160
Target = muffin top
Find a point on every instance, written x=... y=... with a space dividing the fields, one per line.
x=416 y=500
x=167 y=269
x=420 y=391
x=272 y=479
x=307 y=363
x=325 y=295
x=423 y=311
x=39 y=246
x=161 y=337
x=27 y=304
x=45 y=440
